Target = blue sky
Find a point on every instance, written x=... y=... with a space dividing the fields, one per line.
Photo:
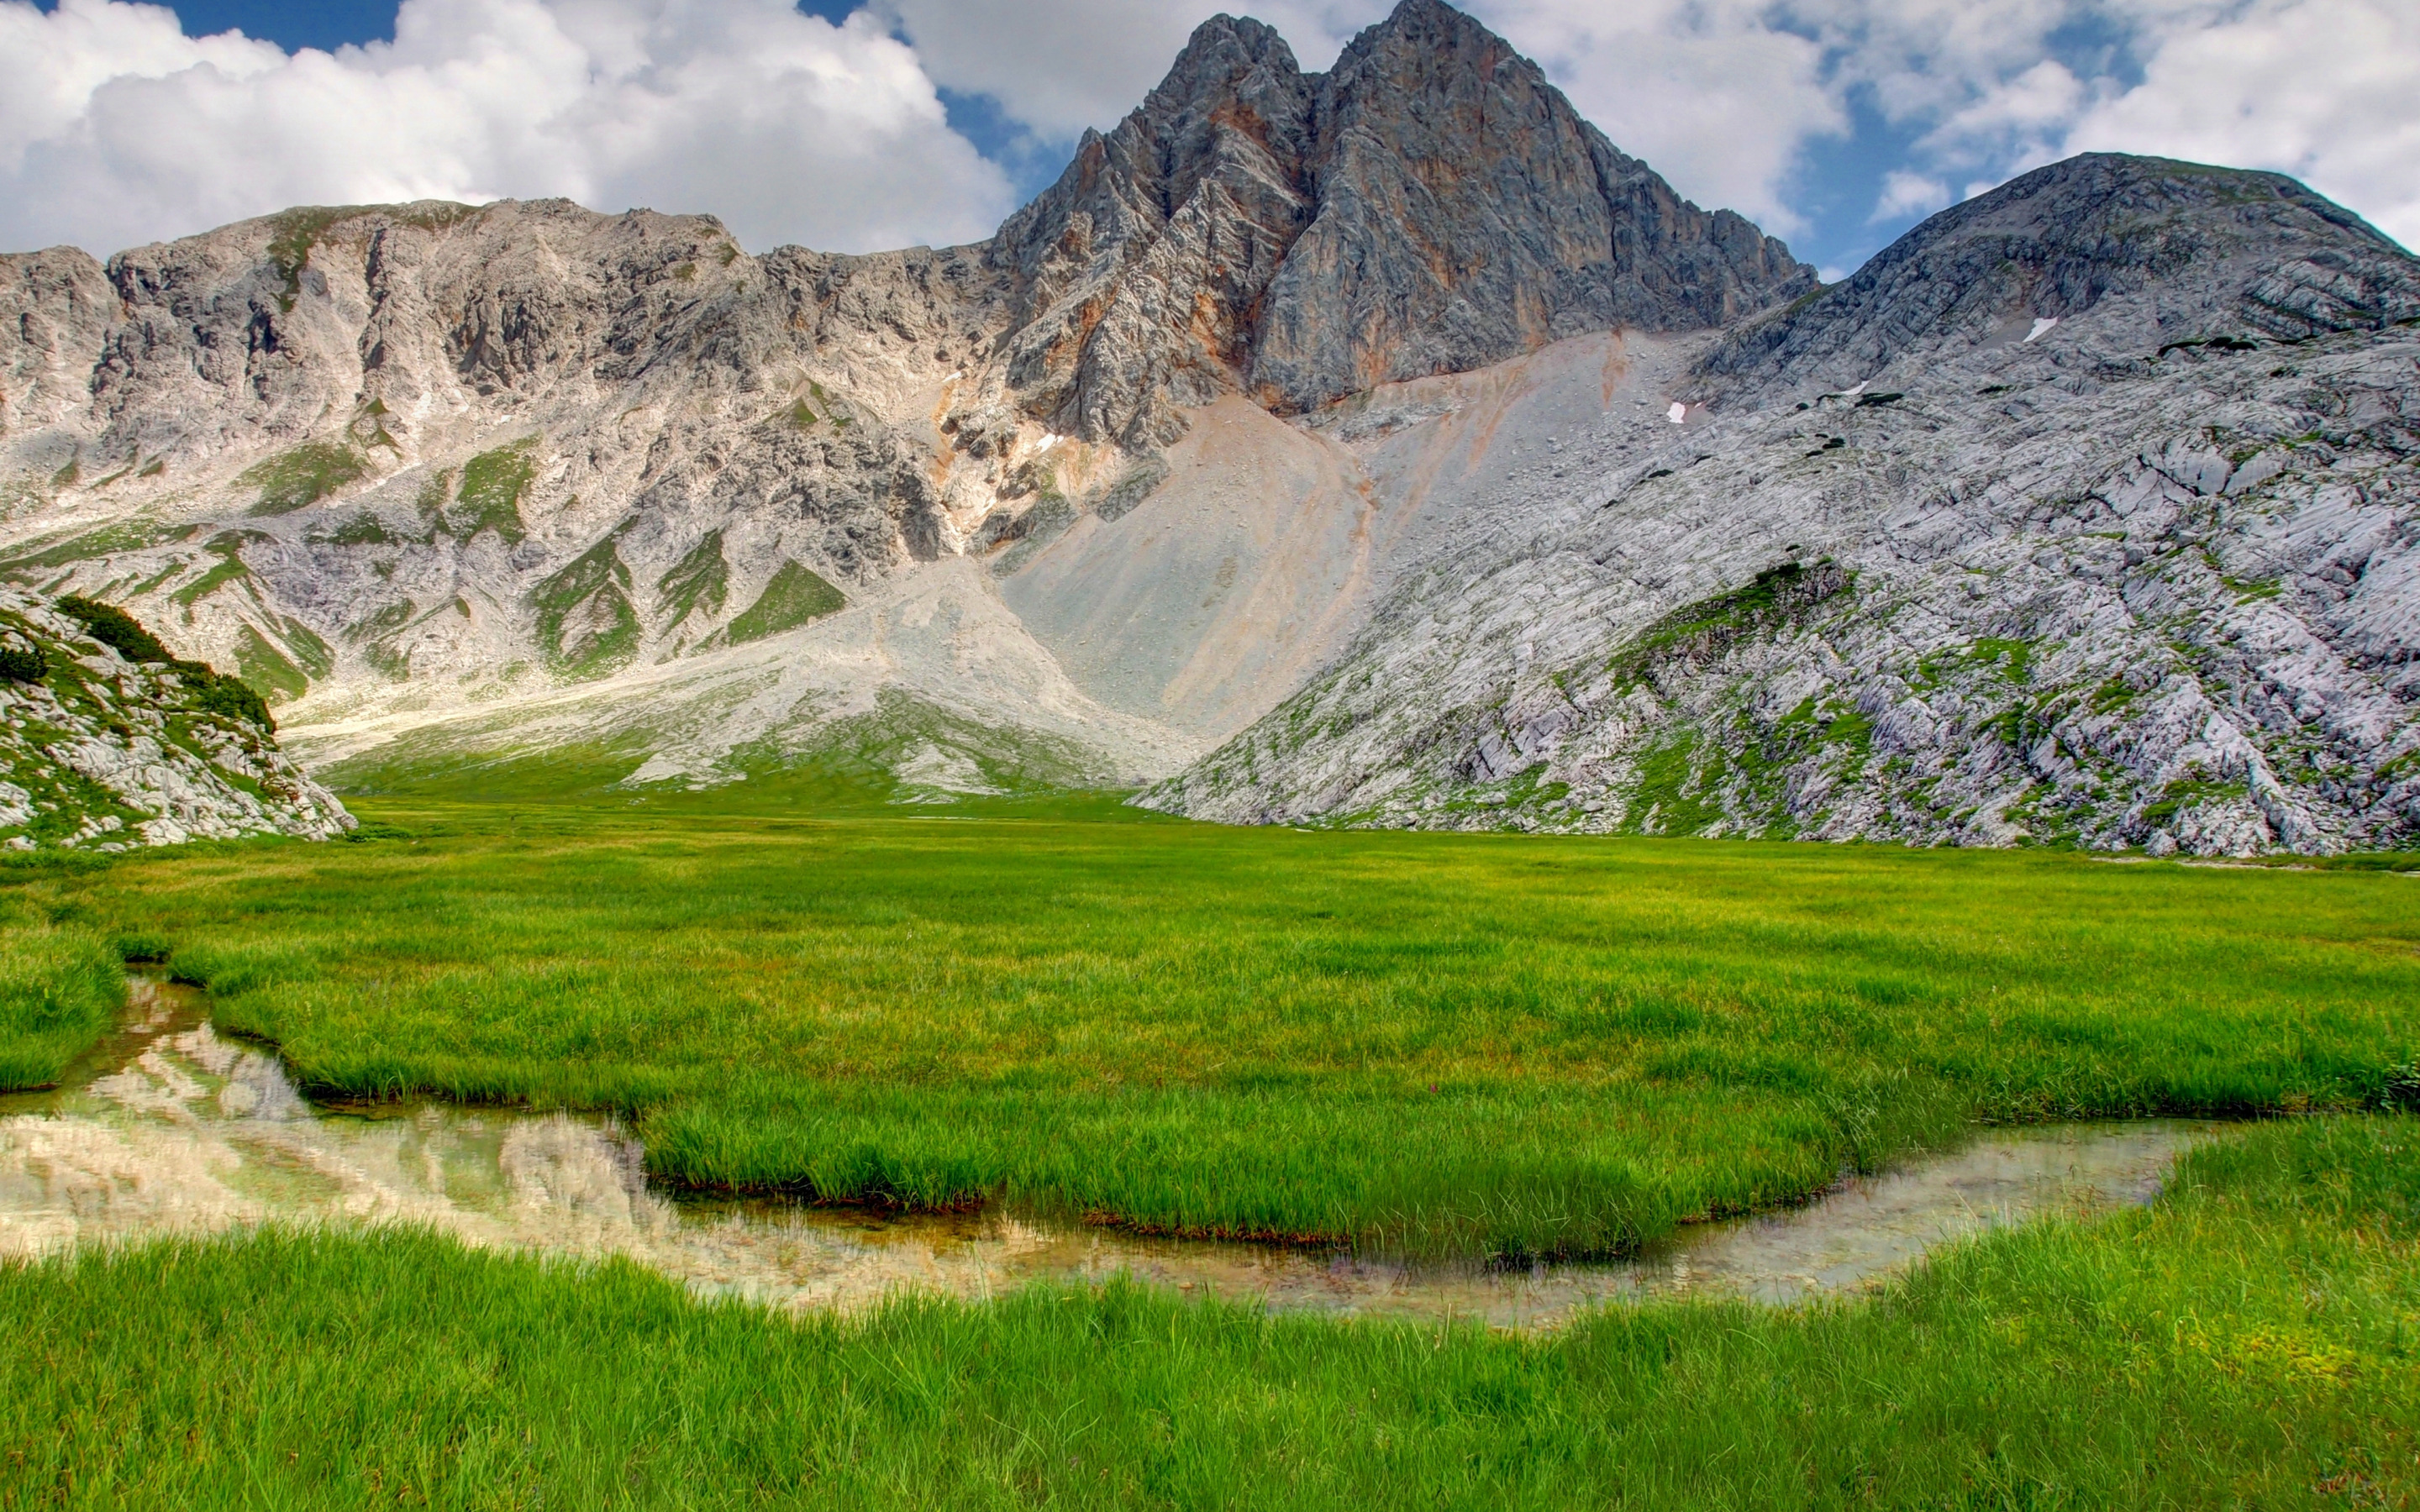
x=1836 y=124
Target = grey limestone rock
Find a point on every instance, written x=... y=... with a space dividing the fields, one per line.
x=103 y=753
x=1431 y=205
x=2167 y=254
x=2087 y=513
x=54 y=308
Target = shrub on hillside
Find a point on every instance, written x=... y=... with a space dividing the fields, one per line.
x=20 y=658
x=124 y=634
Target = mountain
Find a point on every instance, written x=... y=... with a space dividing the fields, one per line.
x=1376 y=446
x=527 y=476
x=2083 y=514
x=109 y=742
x=1432 y=205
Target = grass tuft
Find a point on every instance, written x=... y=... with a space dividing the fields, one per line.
x=60 y=990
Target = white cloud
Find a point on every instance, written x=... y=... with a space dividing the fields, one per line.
x=1709 y=92
x=2010 y=119
x=1909 y=194
x=2327 y=90
x=116 y=128
x=1924 y=59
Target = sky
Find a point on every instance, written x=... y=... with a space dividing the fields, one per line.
x=857 y=125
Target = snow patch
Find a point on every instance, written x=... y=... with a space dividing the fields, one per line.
x=1677 y=413
x=2041 y=326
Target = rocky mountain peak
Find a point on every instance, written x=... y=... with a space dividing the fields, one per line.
x=1431 y=205
x=1421 y=42
x=2159 y=254
x=1227 y=58
x=1139 y=268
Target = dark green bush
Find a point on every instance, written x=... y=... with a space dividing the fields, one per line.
x=115 y=628
x=217 y=692
x=22 y=663
x=230 y=696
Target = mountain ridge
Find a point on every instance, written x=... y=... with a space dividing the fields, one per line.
x=1330 y=223
x=1315 y=446
x=1967 y=554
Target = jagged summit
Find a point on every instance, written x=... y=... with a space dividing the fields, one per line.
x=2161 y=253
x=1430 y=205
x=1386 y=429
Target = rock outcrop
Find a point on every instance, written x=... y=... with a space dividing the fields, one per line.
x=104 y=751
x=1386 y=433
x=1432 y=205
x=2087 y=514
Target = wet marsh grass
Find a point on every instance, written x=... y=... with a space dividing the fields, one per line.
x=2253 y=1339
x=1430 y=1044
x=61 y=989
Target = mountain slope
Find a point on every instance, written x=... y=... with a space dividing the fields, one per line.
x=107 y=743
x=410 y=464
x=1386 y=434
x=2087 y=514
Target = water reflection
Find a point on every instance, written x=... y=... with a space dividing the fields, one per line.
x=170 y=1128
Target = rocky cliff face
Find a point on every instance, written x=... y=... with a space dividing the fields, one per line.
x=1429 y=205
x=396 y=460
x=2087 y=514
x=54 y=311
x=107 y=751
x=1384 y=433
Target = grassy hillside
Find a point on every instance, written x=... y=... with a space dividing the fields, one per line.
x=1425 y=1042
x=2253 y=1340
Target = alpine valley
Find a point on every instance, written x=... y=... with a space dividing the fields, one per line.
x=1380 y=447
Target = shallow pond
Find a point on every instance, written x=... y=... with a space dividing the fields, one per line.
x=170 y=1128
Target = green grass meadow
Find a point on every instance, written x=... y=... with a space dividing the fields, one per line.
x=1426 y=1044
x=2252 y=1340
x=1436 y=1044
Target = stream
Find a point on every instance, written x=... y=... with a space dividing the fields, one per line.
x=169 y=1129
